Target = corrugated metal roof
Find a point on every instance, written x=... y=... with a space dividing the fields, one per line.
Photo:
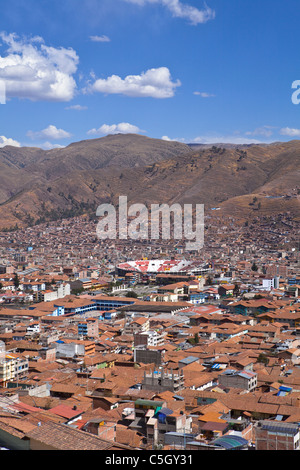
x=189 y=359
x=165 y=411
x=287 y=428
x=230 y=442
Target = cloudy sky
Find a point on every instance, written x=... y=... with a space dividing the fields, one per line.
x=220 y=71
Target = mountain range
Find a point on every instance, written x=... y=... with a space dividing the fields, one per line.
x=243 y=181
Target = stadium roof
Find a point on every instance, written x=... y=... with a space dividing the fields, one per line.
x=157 y=266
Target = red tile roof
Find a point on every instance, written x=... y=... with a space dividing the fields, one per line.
x=66 y=411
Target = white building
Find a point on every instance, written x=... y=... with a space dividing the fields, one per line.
x=269 y=284
x=48 y=295
x=149 y=338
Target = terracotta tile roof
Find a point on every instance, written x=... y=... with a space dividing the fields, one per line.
x=39 y=402
x=66 y=411
x=65 y=388
x=15 y=426
x=128 y=437
x=198 y=380
x=63 y=437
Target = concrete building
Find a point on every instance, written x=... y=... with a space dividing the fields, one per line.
x=162 y=380
x=269 y=284
x=272 y=435
x=149 y=338
x=245 y=379
x=69 y=349
x=48 y=295
x=12 y=368
x=148 y=356
x=88 y=328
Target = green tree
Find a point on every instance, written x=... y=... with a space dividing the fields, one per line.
x=131 y=293
x=16 y=281
x=236 y=290
x=254 y=267
x=262 y=358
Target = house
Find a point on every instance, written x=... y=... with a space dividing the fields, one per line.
x=137 y=325
x=290 y=317
x=72 y=348
x=226 y=290
x=199 y=382
x=34 y=286
x=197 y=297
x=253 y=306
x=245 y=379
x=64 y=391
x=154 y=418
x=211 y=425
x=70 y=414
x=290 y=355
x=187 y=360
x=178 y=288
x=228 y=330
x=169 y=420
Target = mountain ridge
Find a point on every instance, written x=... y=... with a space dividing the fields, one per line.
x=38 y=185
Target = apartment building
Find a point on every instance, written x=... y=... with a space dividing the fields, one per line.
x=12 y=368
x=88 y=328
x=7 y=371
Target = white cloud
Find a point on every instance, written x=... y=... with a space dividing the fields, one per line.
x=8 y=141
x=37 y=72
x=178 y=9
x=121 y=128
x=168 y=139
x=50 y=146
x=204 y=94
x=77 y=107
x=224 y=140
x=100 y=38
x=290 y=132
x=51 y=133
x=155 y=83
x=265 y=131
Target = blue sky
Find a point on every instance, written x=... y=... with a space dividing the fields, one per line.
x=185 y=70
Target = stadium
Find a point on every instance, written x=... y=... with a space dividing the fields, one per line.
x=157 y=266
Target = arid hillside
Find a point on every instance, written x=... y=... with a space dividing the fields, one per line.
x=38 y=185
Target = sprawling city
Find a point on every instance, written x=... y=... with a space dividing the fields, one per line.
x=149 y=285
x=128 y=345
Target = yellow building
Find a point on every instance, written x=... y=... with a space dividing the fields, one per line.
x=7 y=370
